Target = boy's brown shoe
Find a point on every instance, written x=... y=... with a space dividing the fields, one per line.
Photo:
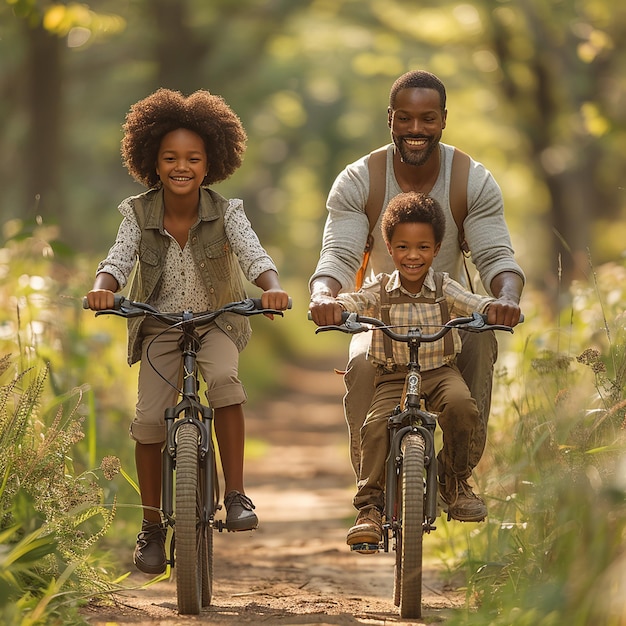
x=368 y=527
x=461 y=503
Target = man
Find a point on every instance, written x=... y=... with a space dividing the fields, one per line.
x=416 y=160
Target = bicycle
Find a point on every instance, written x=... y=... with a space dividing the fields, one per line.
x=190 y=486
x=411 y=490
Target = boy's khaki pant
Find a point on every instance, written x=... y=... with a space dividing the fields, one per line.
x=475 y=362
x=448 y=395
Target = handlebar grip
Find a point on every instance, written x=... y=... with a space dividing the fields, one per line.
x=118 y=298
x=258 y=305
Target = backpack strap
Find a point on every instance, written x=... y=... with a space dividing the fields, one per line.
x=377 y=169
x=459 y=176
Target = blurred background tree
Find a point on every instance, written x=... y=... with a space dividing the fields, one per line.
x=536 y=92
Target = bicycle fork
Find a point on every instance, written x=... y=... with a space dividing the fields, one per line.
x=424 y=424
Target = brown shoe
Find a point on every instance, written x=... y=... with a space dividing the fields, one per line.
x=461 y=502
x=149 y=555
x=368 y=527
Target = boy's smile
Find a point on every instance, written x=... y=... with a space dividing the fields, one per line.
x=413 y=249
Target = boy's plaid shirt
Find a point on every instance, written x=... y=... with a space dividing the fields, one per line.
x=421 y=315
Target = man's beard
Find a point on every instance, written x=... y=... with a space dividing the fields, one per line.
x=409 y=156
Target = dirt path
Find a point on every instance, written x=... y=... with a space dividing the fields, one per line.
x=296 y=568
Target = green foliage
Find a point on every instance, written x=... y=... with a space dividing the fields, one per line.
x=50 y=517
x=52 y=513
x=553 y=550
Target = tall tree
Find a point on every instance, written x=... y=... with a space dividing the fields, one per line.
x=42 y=186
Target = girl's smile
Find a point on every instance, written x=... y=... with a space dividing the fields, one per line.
x=182 y=162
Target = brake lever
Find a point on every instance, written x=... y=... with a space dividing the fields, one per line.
x=480 y=321
x=251 y=306
x=110 y=312
x=123 y=312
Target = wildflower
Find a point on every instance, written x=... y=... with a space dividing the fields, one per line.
x=110 y=467
x=591 y=357
x=562 y=397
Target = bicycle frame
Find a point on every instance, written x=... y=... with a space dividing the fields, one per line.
x=402 y=422
x=201 y=416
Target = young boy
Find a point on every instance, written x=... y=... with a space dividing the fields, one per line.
x=413 y=227
x=189 y=244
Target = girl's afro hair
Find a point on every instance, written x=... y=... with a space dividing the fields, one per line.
x=150 y=119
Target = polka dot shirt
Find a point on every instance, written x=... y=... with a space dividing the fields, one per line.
x=181 y=283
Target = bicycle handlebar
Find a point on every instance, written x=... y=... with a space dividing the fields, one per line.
x=353 y=323
x=128 y=308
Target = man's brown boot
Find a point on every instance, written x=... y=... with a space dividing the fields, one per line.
x=461 y=503
x=368 y=527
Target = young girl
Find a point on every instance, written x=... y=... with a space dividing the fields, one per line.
x=188 y=242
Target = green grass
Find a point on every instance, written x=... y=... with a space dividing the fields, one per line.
x=552 y=552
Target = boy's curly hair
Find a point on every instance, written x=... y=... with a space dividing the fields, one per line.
x=410 y=207
x=150 y=119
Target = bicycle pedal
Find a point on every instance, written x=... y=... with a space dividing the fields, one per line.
x=365 y=548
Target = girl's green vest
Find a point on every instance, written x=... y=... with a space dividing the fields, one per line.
x=212 y=254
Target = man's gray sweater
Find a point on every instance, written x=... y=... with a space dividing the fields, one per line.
x=347 y=227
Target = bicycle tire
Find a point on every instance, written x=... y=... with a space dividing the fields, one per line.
x=412 y=524
x=205 y=541
x=190 y=547
x=397 y=572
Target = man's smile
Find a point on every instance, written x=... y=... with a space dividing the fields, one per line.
x=413 y=142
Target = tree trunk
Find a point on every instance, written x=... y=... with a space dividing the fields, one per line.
x=178 y=54
x=42 y=191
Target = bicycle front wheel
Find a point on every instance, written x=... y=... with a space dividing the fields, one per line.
x=409 y=552
x=194 y=545
x=205 y=534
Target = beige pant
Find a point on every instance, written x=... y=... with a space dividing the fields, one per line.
x=218 y=362
x=476 y=363
x=446 y=394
